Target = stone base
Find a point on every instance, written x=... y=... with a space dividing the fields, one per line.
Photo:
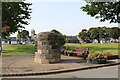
x=55 y=60
x=46 y=58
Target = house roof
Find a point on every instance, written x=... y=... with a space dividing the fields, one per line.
x=12 y=38
x=9 y=38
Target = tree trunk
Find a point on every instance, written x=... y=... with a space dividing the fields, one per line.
x=21 y=41
x=28 y=38
x=98 y=40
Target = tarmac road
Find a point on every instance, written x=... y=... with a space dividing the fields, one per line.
x=106 y=72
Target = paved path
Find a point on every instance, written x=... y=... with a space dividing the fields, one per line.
x=25 y=63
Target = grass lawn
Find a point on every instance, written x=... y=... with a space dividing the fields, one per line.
x=97 y=47
x=10 y=50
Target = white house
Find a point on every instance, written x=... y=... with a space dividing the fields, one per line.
x=9 y=40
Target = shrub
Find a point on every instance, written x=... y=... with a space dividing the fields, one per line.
x=95 y=55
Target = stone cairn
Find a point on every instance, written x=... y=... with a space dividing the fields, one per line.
x=48 y=48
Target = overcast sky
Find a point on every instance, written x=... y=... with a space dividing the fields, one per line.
x=64 y=16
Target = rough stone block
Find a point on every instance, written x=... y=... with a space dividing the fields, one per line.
x=48 y=49
x=45 y=61
x=43 y=51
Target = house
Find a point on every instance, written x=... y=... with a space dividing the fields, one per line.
x=9 y=40
x=14 y=40
x=107 y=40
x=72 y=39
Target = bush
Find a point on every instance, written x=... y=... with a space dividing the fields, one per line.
x=95 y=55
x=60 y=36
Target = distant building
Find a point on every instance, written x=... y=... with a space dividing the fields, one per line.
x=72 y=39
x=107 y=40
x=9 y=40
x=23 y=40
x=33 y=36
x=14 y=40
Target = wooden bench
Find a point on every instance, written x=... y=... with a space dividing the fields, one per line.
x=83 y=52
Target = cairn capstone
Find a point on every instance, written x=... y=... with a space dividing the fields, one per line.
x=48 y=48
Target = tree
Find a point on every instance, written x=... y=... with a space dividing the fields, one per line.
x=23 y=34
x=99 y=33
x=84 y=35
x=14 y=15
x=114 y=32
x=103 y=32
x=94 y=33
x=104 y=10
x=60 y=36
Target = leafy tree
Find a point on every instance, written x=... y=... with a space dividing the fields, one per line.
x=15 y=15
x=103 y=33
x=60 y=36
x=114 y=32
x=99 y=33
x=23 y=34
x=84 y=35
x=94 y=33
x=107 y=32
x=104 y=10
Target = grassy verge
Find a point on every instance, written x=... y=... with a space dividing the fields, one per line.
x=97 y=47
x=10 y=50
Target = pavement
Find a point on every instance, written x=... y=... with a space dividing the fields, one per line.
x=106 y=72
x=24 y=65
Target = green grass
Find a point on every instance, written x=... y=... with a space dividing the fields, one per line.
x=10 y=50
x=111 y=48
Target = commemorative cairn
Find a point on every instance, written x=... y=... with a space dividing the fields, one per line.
x=48 y=48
